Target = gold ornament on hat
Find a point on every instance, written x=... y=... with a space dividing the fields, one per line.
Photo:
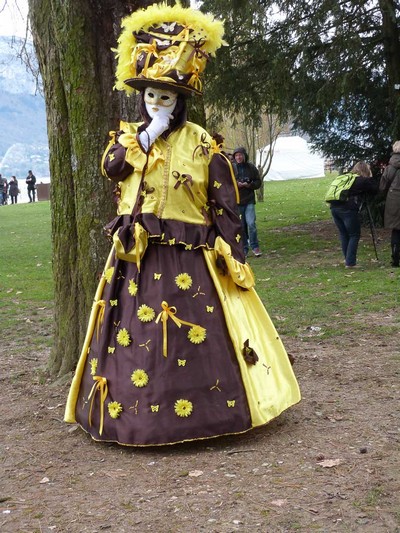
x=167 y=47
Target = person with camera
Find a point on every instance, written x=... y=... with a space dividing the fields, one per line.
x=248 y=180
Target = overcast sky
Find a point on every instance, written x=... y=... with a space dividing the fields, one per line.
x=13 y=17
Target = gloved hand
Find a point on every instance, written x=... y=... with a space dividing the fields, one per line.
x=157 y=126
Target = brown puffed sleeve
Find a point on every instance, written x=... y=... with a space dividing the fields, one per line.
x=223 y=204
x=113 y=163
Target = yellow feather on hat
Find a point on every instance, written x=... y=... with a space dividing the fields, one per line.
x=167 y=46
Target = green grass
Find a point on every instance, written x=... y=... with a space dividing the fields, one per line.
x=25 y=259
x=300 y=277
x=294 y=202
x=26 y=285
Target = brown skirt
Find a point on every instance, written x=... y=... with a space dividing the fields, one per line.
x=161 y=367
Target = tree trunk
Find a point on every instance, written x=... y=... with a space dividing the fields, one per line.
x=72 y=40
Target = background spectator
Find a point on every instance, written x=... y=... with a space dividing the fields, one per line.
x=13 y=190
x=248 y=180
x=390 y=183
x=31 y=182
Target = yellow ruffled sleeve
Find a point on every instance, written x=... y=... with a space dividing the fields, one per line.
x=241 y=273
x=135 y=155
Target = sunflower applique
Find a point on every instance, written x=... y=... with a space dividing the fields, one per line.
x=145 y=313
x=184 y=281
x=93 y=366
x=132 y=288
x=139 y=378
x=183 y=408
x=114 y=409
x=108 y=274
x=197 y=334
x=123 y=337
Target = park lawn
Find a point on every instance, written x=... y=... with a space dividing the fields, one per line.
x=300 y=277
x=25 y=260
x=26 y=284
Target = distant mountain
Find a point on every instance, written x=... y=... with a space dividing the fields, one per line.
x=23 y=135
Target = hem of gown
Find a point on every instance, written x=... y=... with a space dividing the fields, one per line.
x=164 y=443
x=111 y=441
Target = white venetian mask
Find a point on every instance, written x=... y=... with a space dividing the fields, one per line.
x=159 y=101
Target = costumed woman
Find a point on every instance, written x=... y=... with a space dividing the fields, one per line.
x=179 y=347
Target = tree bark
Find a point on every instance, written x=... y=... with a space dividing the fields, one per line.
x=73 y=39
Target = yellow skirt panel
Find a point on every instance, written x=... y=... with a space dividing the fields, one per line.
x=270 y=384
x=94 y=321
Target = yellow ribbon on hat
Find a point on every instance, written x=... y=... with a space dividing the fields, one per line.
x=101 y=386
x=145 y=48
x=195 y=81
x=166 y=313
x=151 y=51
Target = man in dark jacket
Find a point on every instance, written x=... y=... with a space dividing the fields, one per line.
x=31 y=182
x=248 y=180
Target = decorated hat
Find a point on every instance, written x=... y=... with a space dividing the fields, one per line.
x=167 y=47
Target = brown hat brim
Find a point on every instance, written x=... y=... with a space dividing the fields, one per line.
x=142 y=83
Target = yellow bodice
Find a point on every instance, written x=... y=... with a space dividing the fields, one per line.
x=176 y=175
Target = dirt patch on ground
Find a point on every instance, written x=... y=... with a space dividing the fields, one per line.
x=331 y=463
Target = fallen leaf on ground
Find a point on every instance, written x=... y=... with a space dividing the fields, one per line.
x=196 y=473
x=329 y=463
x=44 y=480
x=279 y=503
